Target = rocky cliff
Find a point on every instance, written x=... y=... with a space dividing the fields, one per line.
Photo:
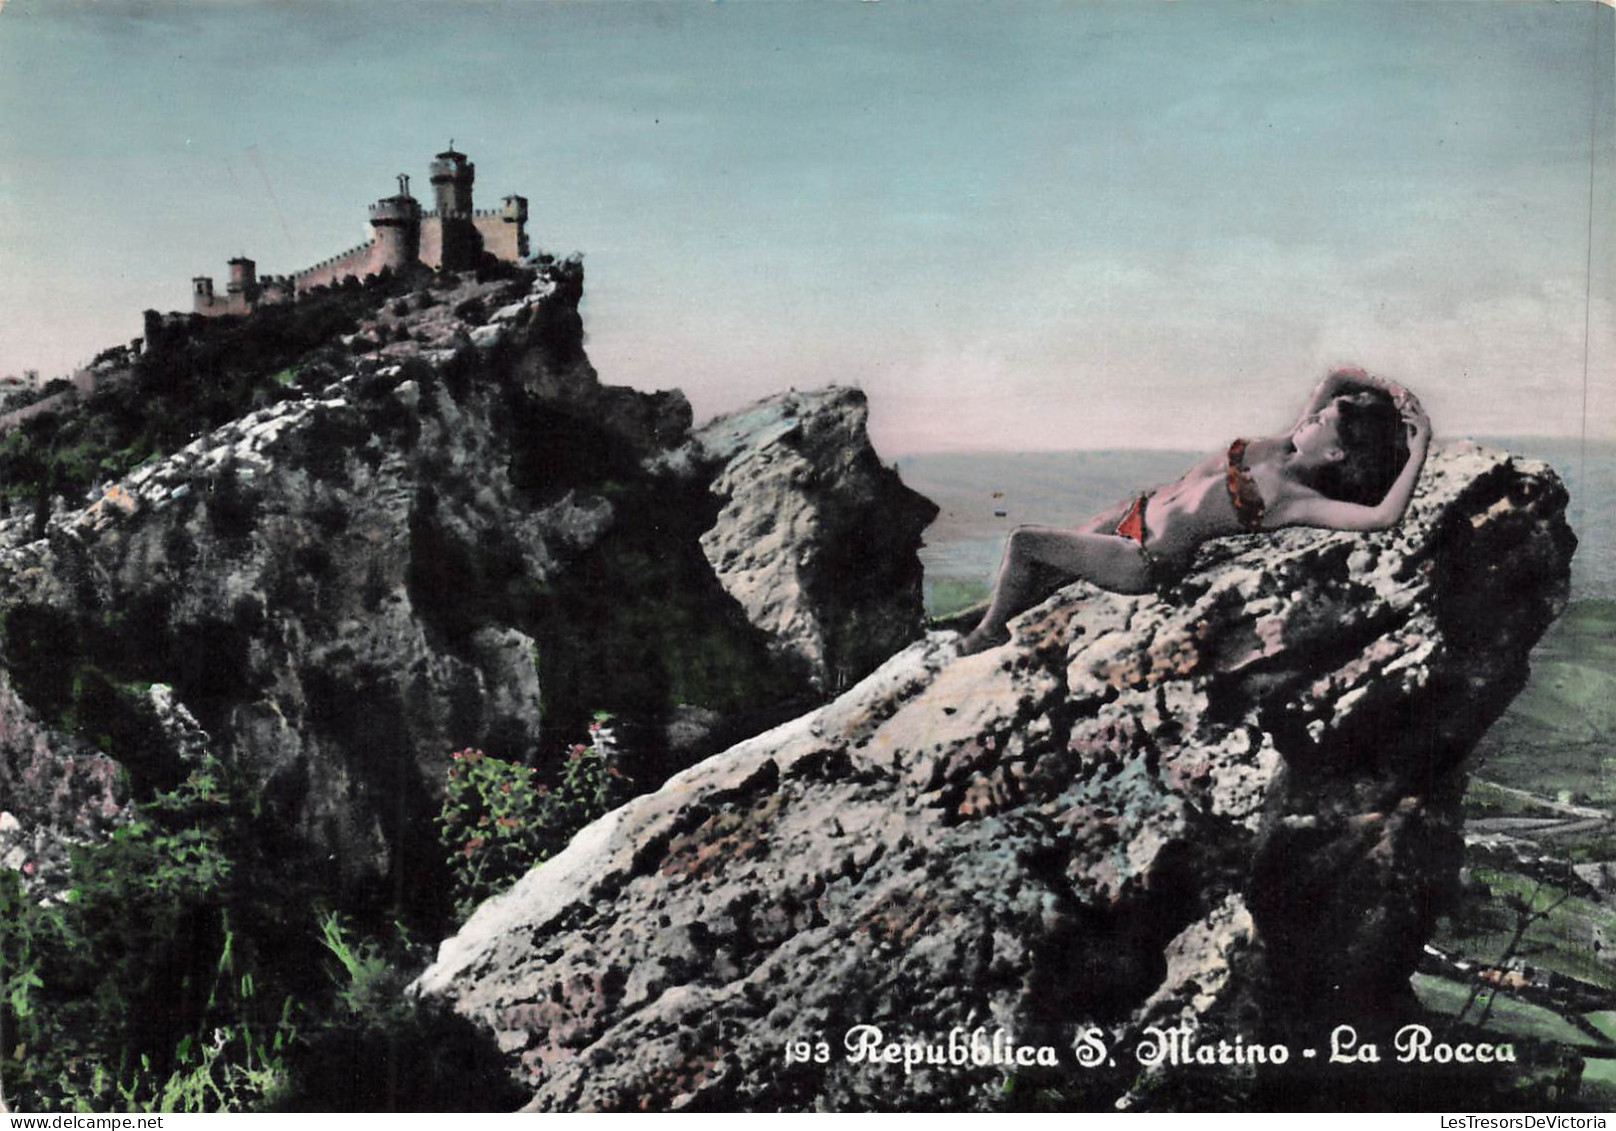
x=811 y=539
x=440 y=531
x=1231 y=806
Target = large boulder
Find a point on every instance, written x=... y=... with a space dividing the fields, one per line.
x=816 y=538
x=1233 y=805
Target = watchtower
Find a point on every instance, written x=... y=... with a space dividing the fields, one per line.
x=452 y=177
x=514 y=217
x=396 y=222
x=243 y=278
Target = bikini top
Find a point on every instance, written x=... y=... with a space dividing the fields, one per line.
x=1243 y=493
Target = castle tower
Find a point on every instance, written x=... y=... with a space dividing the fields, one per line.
x=452 y=177
x=243 y=278
x=396 y=222
x=201 y=293
x=510 y=241
x=458 y=244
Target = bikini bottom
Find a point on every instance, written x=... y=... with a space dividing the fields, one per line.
x=1133 y=523
x=1132 y=527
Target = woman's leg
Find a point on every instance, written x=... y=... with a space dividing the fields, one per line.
x=1107 y=560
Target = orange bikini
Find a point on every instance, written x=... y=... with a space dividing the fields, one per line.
x=1243 y=493
x=1133 y=523
x=1244 y=496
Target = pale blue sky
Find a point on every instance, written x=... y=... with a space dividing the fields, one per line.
x=1015 y=225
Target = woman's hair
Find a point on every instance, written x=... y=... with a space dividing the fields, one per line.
x=1371 y=433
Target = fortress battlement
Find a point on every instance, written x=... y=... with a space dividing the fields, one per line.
x=434 y=214
x=333 y=259
x=394 y=210
x=452 y=236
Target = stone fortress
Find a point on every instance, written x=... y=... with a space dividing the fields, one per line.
x=451 y=236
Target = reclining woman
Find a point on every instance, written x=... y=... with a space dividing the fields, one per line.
x=1349 y=463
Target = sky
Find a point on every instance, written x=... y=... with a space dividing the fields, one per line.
x=1016 y=226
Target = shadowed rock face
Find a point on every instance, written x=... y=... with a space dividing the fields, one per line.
x=462 y=539
x=815 y=538
x=1236 y=802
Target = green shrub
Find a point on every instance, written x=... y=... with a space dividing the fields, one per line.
x=135 y=989
x=374 y=1047
x=235 y=1068
x=367 y=985
x=497 y=822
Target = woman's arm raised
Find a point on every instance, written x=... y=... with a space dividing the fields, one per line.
x=1338 y=382
x=1316 y=510
x=1347 y=381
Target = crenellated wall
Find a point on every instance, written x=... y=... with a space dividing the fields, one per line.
x=449 y=242
x=502 y=237
x=215 y=305
x=356 y=261
x=431 y=246
x=275 y=288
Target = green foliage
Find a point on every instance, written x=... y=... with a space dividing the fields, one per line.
x=75 y=1041
x=368 y=982
x=497 y=821
x=374 y=1047
x=135 y=990
x=233 y=1069
x=167 y=978
x=28 y=932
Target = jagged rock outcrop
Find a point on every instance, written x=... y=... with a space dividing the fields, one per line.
x=815 y=533
x=456 y=537
x=1235 y=804
x=67 y=790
